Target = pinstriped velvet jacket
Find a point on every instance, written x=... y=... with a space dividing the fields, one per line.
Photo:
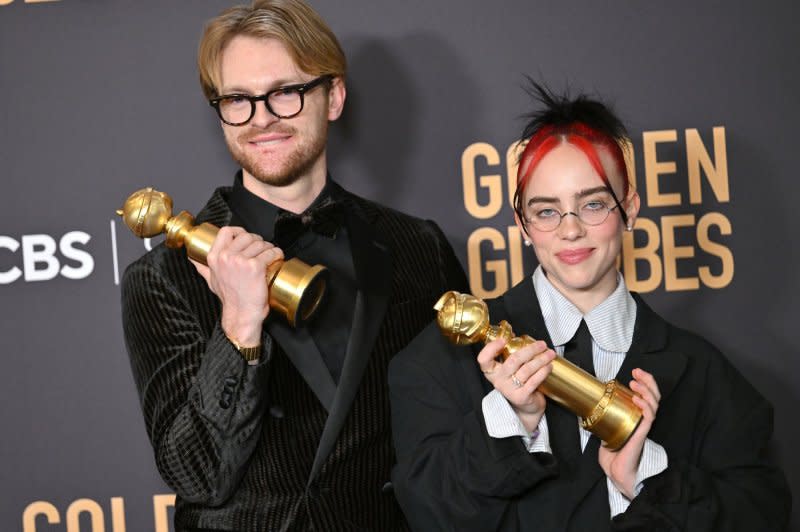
x=278 y=446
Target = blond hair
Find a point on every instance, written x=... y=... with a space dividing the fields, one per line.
x=310 y=42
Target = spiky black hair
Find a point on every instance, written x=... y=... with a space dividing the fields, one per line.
x=562 y=110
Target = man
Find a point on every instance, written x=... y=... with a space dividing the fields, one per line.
x=257 y=425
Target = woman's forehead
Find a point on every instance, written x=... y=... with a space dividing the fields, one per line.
x=567 y=172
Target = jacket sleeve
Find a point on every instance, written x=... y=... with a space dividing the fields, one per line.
x=726 y=482
x=202 y=402
x=450 y=474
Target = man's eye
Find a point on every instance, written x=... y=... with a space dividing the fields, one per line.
x=284 y=94
x=235 y=100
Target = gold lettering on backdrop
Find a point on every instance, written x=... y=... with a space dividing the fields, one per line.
x=161 y=506
x=495 y=261
x=85 y=506
x=515 y=254
x=7 y=2
x=717 y=174
x=630 y=162
x=117 y=514
x=673 y=252
x=512 y=165
x=654 y=168
x=494 y=267
x=648 y=253
x=498 y=269
x=492 y=183
x=725 y=256
x=34 y=510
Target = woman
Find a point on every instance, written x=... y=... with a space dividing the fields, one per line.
x=480 y=448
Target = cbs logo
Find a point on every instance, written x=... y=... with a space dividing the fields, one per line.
x=41 y=254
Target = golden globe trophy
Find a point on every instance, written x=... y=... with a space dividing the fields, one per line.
x=295 y=288
x=606 y=409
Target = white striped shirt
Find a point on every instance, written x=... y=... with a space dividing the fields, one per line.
x=611 y=326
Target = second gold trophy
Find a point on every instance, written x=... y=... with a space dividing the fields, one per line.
x=606 y=409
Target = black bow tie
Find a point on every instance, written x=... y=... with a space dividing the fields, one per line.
x=323 y=218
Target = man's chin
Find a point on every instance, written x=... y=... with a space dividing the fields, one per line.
x=275 y=180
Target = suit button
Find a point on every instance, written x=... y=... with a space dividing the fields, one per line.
x=276 y=411
x=387 y=488
x=225 y=400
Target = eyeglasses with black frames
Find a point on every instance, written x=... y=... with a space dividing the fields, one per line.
x=283 y=102
x=591 y=210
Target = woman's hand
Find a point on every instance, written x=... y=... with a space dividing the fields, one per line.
x=519 y=377
x=621 y=466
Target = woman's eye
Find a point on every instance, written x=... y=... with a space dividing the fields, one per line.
x=595 y=205
x=546 y=213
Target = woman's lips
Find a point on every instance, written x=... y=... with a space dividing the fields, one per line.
x=574 y=256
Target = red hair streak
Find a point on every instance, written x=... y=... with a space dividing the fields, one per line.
x=582 y=137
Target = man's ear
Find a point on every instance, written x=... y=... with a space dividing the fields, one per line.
x=336 y=97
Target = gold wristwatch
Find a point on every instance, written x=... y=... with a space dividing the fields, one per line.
x=248 y=353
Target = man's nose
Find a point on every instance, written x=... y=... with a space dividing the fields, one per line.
x=262 y=117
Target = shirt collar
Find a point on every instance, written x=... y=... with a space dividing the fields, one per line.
x=258 y=215
x=610 y=323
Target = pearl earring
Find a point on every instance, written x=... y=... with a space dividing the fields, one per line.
x=630 y=227
x=527 y=242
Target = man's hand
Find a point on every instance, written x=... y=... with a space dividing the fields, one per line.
x=519 y=377
x=236 y=273
x=621 y=466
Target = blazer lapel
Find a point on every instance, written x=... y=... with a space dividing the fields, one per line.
x=647 y=351
x=373 y=269
x=300 y=348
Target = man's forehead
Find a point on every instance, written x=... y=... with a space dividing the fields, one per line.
x=259 y=63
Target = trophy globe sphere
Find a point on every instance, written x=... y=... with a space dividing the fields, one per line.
x=146 y=212
x=463 y=318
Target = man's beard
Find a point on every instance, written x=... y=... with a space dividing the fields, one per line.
x=296 y=164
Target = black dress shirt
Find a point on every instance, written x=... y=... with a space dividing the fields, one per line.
x=330 y=325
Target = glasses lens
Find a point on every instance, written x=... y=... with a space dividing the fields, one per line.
x=544 y=219
x=286 y=102
x=594 y=213
x=235 y=109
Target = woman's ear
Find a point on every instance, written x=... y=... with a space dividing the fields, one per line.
x=632 y=203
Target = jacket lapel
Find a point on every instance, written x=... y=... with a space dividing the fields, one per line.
x=373 y=269
x=647 y=351
x=300 y=348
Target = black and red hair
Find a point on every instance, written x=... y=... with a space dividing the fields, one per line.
x=581 y=121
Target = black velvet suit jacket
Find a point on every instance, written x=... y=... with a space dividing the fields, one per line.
x=451 y=475
x=278 y=446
